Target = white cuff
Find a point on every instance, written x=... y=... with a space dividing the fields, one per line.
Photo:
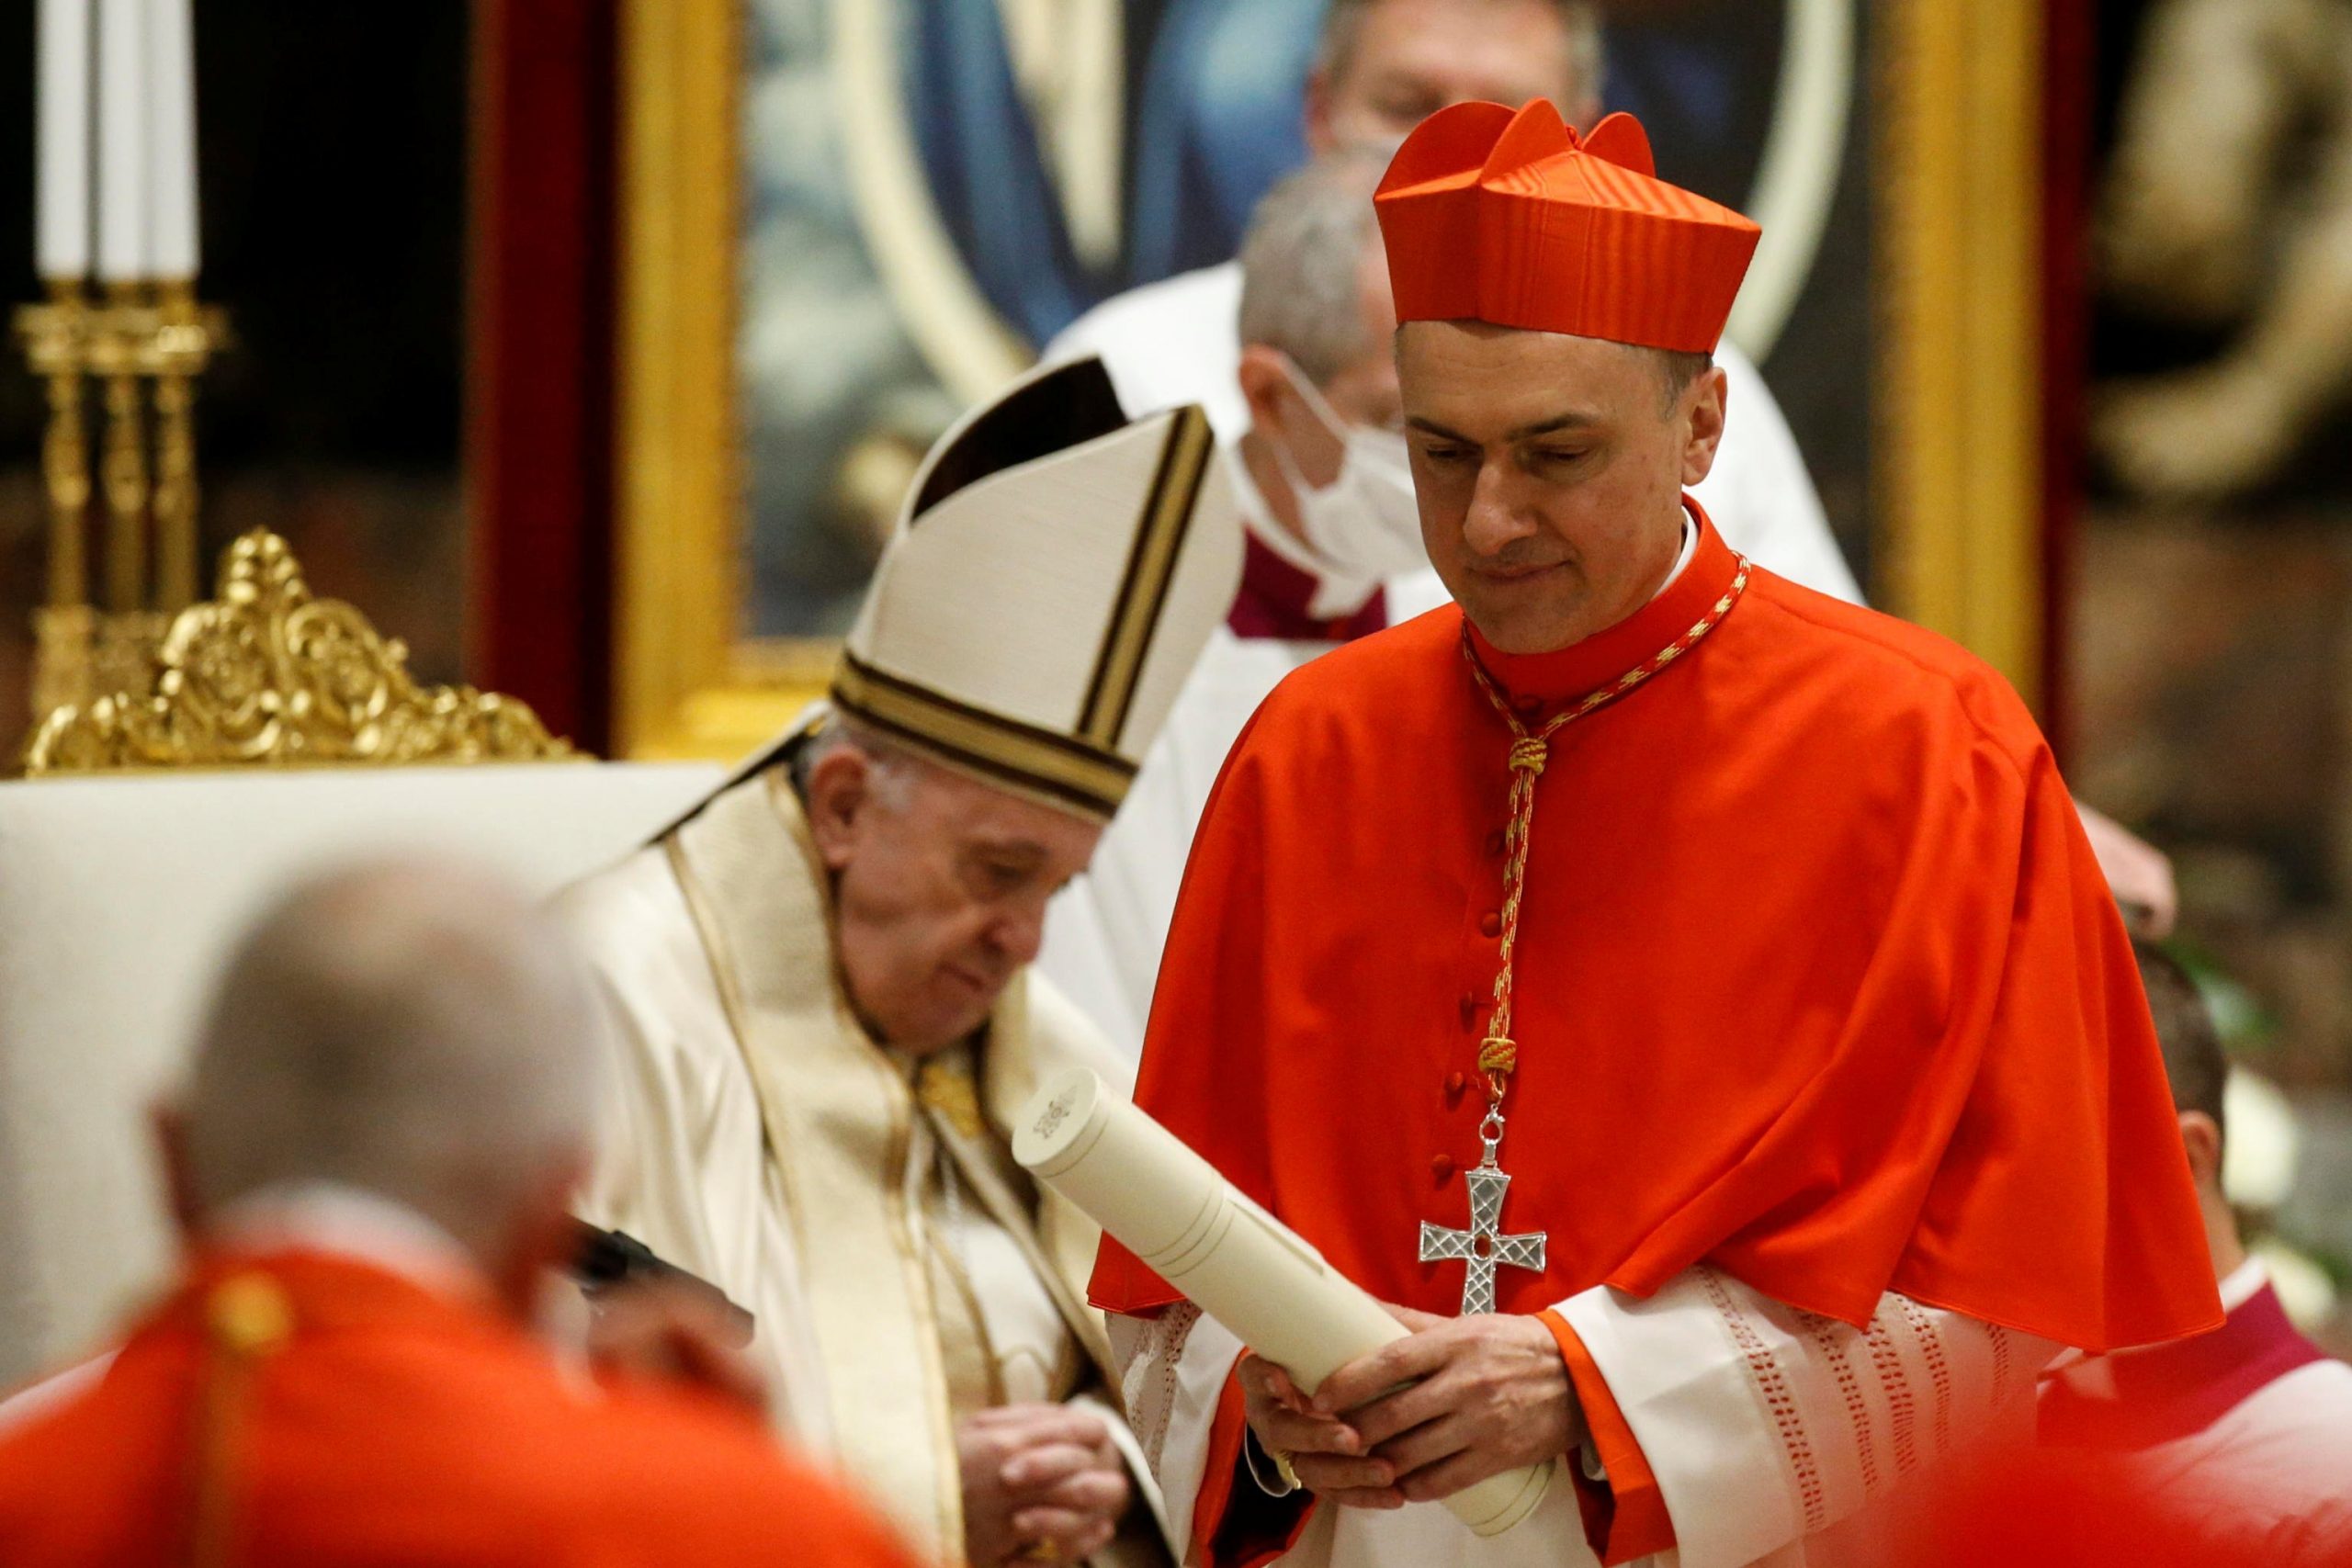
x=1682 y=1384
x=1588 y=1458
x=1176 y=1366
x=1764 y=1423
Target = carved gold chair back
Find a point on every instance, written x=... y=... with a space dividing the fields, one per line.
x=265 y=675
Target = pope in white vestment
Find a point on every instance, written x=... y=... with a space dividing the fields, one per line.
x=790 y=1118
x=859 y=1204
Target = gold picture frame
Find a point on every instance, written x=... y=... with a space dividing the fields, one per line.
x=1958 y=116
x=685 y=684
x=1958 y=538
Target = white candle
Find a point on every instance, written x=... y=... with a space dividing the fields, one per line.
x=61 y=165
x=122 y=140
x=171 y=139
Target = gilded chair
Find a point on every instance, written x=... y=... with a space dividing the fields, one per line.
x=281 y=733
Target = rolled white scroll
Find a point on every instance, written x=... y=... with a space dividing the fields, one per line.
x=1231 y=1259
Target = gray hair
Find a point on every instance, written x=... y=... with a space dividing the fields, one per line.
x=892 y=768
x=1587 y=55
x=415 y=1028
x=1301 y=258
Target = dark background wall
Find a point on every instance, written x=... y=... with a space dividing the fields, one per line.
x=2214 y=636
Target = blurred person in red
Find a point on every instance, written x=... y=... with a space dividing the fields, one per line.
x=372 y=1164
x=2246 y=1432
x=2233 y=1447
x=2020 y=1509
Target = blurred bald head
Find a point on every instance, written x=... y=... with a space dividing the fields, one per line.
x=414 y=1029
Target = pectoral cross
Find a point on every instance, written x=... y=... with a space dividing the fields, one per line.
x=1483 y=1246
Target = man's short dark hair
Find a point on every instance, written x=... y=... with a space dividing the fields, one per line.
x=1679 y=369
x=1343 y=20
x=2192 y=1046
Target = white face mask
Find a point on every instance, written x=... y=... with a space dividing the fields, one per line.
x=1366 y=522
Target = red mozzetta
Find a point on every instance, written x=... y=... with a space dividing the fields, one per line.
x=1818 y=980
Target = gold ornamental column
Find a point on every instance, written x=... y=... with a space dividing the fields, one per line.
x=55 y=336
x=1960 y=423
x=145 y=344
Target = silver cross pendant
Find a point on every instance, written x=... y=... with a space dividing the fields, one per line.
x=1484 y=1246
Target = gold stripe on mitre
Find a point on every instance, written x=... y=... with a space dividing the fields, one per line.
x=1061 y=771
x=1151 y=565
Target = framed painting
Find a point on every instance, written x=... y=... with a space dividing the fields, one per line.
x=841 y=221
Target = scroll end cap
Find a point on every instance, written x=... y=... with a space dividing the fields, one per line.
x=1536 y=1479
x=1051 y=1128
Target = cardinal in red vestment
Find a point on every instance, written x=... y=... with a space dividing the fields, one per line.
x=301 y=1405
x=371 y=1161
x=1690 y=997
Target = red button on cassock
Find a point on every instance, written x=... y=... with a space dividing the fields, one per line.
x=1441 y=1167
x=1493 y=924
x=1469 y=1007
x=1495 y=842
x=1454 y=1084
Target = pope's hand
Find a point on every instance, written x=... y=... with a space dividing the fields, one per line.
x=1487 y=1394
x=655 y=1328
x=1042 y=1483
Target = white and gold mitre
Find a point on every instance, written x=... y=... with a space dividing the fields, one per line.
x=1052 y=578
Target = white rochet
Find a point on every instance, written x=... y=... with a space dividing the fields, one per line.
x=1231 y=1259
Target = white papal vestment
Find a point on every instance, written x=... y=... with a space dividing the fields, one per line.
x=902 y=1273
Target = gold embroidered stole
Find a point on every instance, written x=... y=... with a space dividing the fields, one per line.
x=975 y=1359
x=839 y=1121
x=1058 y=1244
x=838 y=1117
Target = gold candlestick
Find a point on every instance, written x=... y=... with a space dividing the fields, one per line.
x=136 y=333
x=186 y=334
x=56 y=340
x=175 y=494
x=118 y=349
